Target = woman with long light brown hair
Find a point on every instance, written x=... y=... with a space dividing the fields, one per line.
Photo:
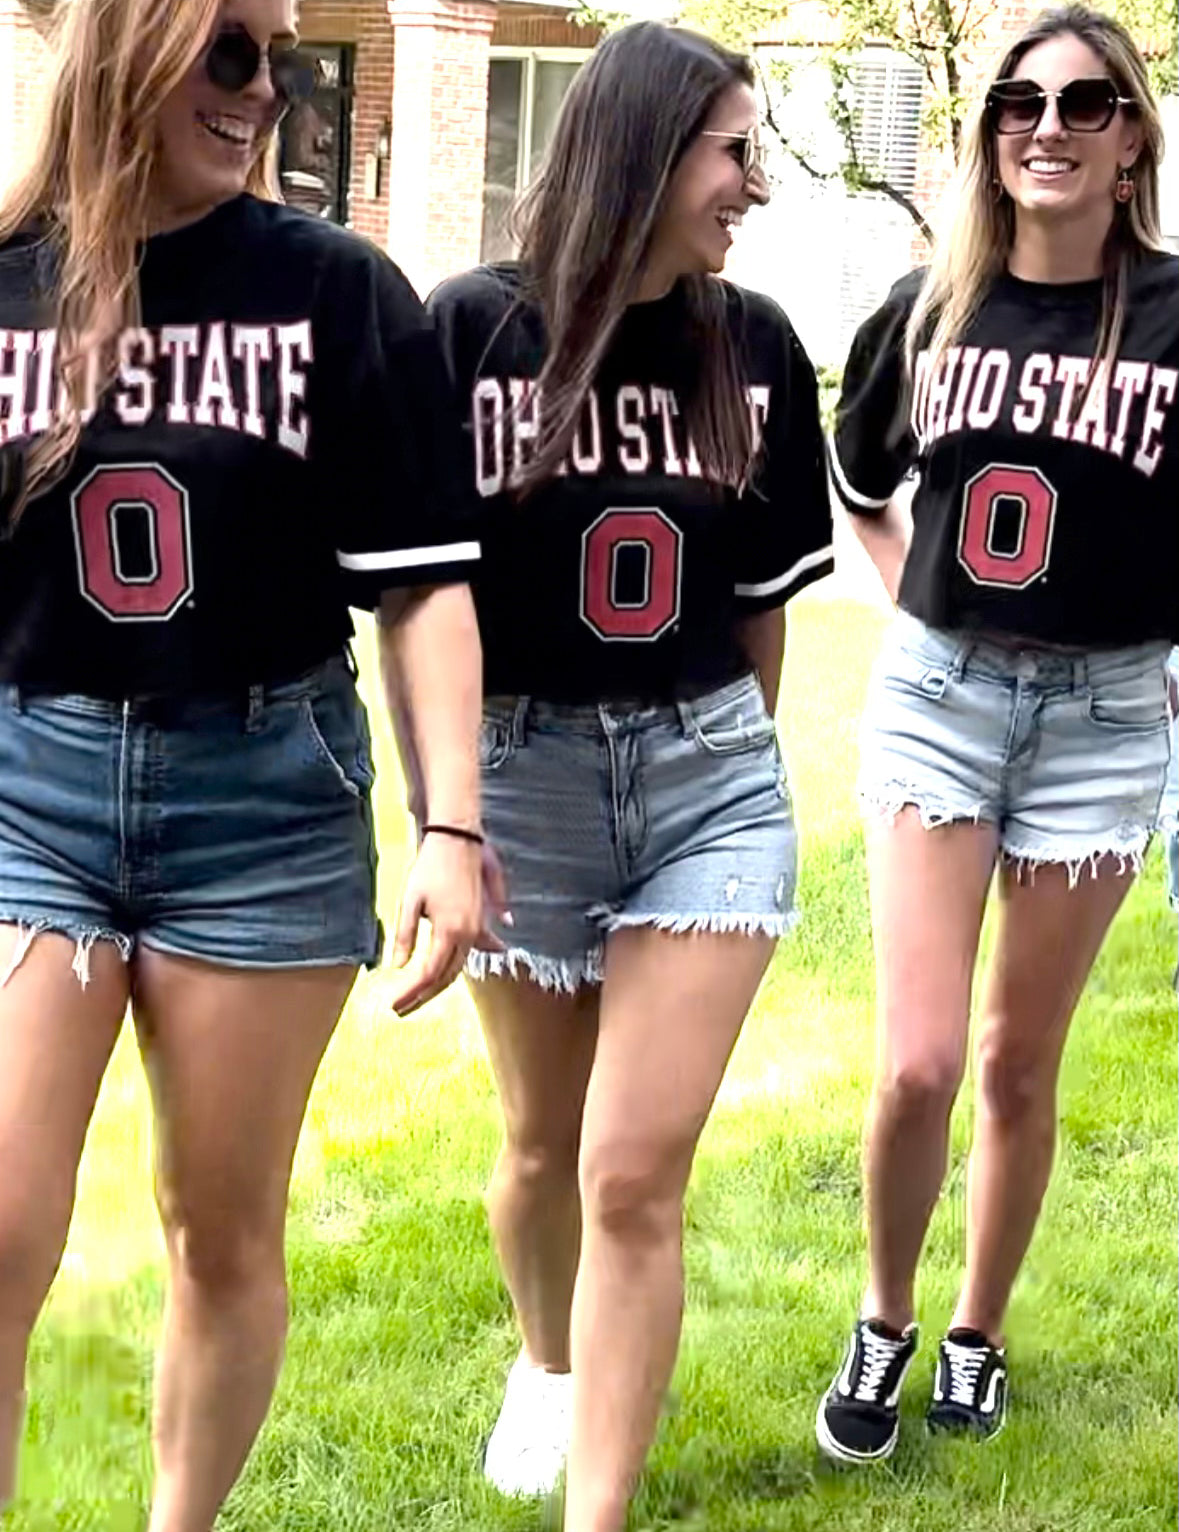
x=222 y=422
x=1016 y=725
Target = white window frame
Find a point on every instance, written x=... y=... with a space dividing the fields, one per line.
x=531 y=57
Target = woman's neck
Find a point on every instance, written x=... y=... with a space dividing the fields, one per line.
x=1057 y=249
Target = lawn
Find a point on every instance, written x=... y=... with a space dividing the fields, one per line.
x=401 y=1330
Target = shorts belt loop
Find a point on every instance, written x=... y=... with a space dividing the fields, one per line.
x=520 y=721
x=1081 y=681
x=350 y=661
x=255 y=702
x=687 y=717
x=18 y=699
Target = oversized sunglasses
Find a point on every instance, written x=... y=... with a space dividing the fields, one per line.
x=748 y=149
x=1083 y=106
x=233 y=60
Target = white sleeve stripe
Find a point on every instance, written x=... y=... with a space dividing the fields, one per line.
x=807 y=562
x=408 y=558
x=845 y=489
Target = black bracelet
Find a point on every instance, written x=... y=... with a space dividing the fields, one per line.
x=457 y=831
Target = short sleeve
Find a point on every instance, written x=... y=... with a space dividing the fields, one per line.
x=786 y=534
x=872 y=447
x=387 y=439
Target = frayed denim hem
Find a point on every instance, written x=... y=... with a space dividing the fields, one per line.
x=27 y=932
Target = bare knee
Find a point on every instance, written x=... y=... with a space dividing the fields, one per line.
x=223 y=1257
x=539 y=1158
x=31 y=1244
x=1016 y=1085
x=635 y=1193
x=919 y=1085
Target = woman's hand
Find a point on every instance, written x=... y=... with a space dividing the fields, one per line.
x=458 y=888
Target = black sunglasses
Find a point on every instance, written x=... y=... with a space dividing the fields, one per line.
x=233 y=59
x=1084 y=106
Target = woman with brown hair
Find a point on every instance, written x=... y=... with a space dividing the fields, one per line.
x=1017 y=721
x=645 y=439
x=221 y=423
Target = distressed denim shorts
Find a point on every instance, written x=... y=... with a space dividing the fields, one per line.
x=1065 y=752
x=676 y=817
x=235 y=830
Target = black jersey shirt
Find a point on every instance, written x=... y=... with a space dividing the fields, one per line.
x=1047 y=502
x=625 y=574
x=280 y=442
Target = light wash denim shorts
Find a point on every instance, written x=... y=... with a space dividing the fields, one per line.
x=1169 y=811
x=235 y=830
x=1066 y=752
x=676 y=817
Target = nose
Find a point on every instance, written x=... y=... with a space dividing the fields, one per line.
x=757 y=186
x=261 y=87
x=1050 y=125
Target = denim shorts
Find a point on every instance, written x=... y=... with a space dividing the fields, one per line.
x=1065 y=752
x=235 y=830
x=676 y=817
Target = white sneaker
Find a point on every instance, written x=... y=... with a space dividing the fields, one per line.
x=526 y=1451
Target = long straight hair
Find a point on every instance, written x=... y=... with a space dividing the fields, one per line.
x=88 y=186
x=982 y=232
x=586 y=224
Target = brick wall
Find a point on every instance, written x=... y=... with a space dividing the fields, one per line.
x=538 y=26
x=365 y=24
x=24 y=73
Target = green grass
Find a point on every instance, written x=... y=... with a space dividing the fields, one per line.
x=402 y=1332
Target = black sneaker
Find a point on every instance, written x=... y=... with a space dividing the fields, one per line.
x=970 y=1386
x=858 y=1417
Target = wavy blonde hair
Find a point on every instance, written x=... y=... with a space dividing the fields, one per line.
x=982 y=230
x=88 y=185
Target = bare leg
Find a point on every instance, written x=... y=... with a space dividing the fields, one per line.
x=671 y=1009
x=56 y=1039
x=231 y=1056
x=1049 y=936
x=928 y=890
x=541 y=1047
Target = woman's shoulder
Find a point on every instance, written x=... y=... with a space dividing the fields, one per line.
x=483 y=294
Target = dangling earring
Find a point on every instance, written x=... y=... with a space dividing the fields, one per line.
x=1124 y=187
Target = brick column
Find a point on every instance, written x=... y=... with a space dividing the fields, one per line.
x=24 y=73
x=439 y=117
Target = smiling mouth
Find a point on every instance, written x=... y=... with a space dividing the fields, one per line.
x=730 y=218
x=1048 y=169
x=228 y=130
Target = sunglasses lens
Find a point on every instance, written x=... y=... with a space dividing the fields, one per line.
x=232 y=60
x=1087 y=106
x=1016 y=108
x=294 y=75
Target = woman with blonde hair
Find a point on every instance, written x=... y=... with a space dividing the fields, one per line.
x=1017 y=720
x=222 y=422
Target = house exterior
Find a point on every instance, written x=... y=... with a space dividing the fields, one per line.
x=426 y=109
x=432 y=114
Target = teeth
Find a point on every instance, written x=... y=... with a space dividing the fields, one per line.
x=1049 y=167
x=231 y=128
x=729 y=217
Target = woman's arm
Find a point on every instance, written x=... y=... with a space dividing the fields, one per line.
x=885 y=539
x=431 y=662
x=763 y=638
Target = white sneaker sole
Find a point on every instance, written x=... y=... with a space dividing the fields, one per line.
x=840 y=1454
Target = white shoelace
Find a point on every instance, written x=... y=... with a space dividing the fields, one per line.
x=879 y=1354
x=966 y=1363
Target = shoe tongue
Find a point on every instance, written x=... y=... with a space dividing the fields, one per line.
x=963 y=1336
